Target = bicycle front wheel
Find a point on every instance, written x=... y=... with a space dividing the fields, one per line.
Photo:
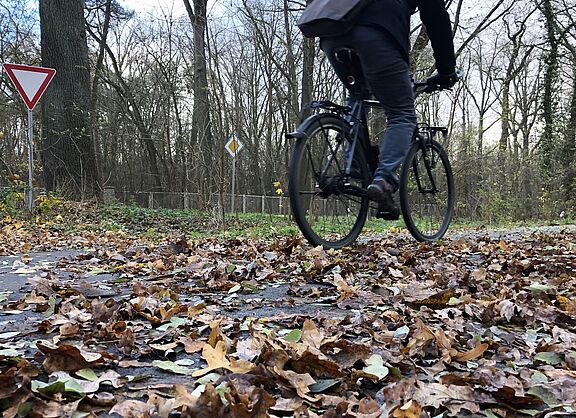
x=427 y=191
x=329 y=205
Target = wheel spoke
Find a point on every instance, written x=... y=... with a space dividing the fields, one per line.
x=319 y=189
x=426 y=192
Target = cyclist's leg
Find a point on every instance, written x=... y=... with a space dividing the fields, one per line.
x=388 y=74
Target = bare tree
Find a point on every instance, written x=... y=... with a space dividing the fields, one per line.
x=201 y=123
x=68 y=150
x=549 y=103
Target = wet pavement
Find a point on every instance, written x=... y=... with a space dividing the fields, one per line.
x=19 y=274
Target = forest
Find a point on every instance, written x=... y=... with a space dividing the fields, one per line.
x=119 y=310
x=154 y=99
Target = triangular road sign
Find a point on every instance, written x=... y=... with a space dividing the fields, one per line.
x=31 y=82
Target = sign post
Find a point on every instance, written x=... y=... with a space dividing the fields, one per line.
x=233 y=146
x=31 y=82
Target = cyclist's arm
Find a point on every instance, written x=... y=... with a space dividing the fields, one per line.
x=437 y=21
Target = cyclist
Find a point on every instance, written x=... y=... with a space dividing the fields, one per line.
x=381 y=39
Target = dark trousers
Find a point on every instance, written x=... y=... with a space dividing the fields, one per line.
x=388 y=76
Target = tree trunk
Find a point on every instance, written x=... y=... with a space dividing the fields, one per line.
x=291 y=69
x=570 y=144
x=309 y=52
x=68 y=148
x=548 y=98
x=96 y=84
x=201 y=124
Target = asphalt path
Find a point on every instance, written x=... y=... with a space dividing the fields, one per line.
x=20 y=273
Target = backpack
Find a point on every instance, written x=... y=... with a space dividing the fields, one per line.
x=323 y=18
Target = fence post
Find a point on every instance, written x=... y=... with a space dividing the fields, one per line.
x=186 y=203
x=150 y=200
x=243 y=203
x=262 y=204
x=109 y=195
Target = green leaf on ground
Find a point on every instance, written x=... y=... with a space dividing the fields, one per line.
x=323 y=384
x=545 y=394
x=540 y=288
x=235 y=289
x=87 y=374
x=48 y=389
x=9 y=352
x=173 y=367
x=375 y=366
x=97 y=271
x=548 y=357
x=293 y=336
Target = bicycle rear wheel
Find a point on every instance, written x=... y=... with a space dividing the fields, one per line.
x=329 y=206
x=427 y=191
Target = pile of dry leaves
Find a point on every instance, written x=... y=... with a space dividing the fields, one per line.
x=242 y=328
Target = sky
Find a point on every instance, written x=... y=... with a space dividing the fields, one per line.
x=153 y=6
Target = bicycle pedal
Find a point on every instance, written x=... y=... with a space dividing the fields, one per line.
x=388 y=216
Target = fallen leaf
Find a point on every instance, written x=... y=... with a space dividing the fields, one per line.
x=375 y=367
x=69 y=330
x=472 y=354
x=323 y=384
x=437 y=301
x=172 y=367
x=216 y=359
x=67 y=358
x=293 y=336
x=410 y=409
x=133 y=409
x=548 y=357
x=192 y=346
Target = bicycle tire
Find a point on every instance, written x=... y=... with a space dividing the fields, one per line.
x=325 y=214
x=430 y=220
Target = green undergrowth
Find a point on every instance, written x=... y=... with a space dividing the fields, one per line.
x=526 y=223
x=156 y=224
x=161 y=222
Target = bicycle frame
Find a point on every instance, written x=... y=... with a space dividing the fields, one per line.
x=354 y=113
x=424 y=136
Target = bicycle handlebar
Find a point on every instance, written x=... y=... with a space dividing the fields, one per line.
x=420 y=87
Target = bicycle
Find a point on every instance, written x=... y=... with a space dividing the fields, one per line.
x=333 y=162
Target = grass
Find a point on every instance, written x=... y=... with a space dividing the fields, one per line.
x=253 y=225
x=155 y=224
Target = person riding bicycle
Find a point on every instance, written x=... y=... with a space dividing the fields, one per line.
x=381 y=40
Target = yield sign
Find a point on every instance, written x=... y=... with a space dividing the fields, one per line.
x=31 y=82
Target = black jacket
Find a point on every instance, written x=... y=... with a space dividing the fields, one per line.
x=394 y=17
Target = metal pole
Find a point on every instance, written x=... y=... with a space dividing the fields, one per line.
x=30 y=163
x=233 y=181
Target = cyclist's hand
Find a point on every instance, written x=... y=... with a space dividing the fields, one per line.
x=442 y=81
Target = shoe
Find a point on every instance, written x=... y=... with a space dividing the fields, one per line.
x=381 y=191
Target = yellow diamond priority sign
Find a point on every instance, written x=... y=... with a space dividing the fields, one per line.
x=233 y=146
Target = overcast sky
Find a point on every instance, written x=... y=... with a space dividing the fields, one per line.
x=177 y=6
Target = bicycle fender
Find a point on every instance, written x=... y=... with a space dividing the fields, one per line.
x=300 y=131
x=297 y=134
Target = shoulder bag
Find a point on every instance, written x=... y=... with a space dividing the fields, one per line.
x=323 y=18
